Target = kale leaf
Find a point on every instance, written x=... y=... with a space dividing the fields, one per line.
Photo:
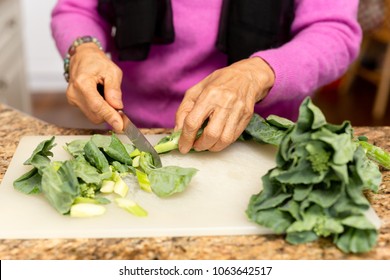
x=316 y=188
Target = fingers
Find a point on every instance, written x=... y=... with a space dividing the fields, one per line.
x=226 y=98
x=213 y=131
x=191 y=125
x=216 y=133
x=112 y=88
x=113 y=96
x=235 y=125
x=212 y=103
x=93 y=105
x=101 y=111
x=88 y=68
x=187 y=105
x=223 y=129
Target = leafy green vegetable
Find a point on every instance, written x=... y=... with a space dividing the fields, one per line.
x=280 y=122
x=376 y=154
x=86 y=172
x=131 y=207
x=96 y=200
x=85 y=210
x=43 y=151
x=120 y=187
x=76 y=147
x=143 y=180
x=171 y=142
x=114 y=148
x=29 y=183
x=270 y=130
x=356 y=240
x=164 y=181
x=168 y=180
x=168 y=143
x=88 y=190
x=96 y=158
x=146 y=162
x=60 y=187
x=107 y=186
x=316 y=188
x=98 y=167
x=318 y=156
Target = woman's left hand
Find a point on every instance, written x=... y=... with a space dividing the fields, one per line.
x=226 y=98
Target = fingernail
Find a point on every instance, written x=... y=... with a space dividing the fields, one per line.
x=183 y=150
x=119 y=102
x=116 y=125
x=196 y=148
x=116 y=98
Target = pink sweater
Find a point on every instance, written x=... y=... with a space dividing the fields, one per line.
x=326 y=40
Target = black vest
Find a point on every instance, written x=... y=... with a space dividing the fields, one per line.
x=246 y=26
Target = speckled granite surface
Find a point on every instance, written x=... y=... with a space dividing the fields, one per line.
x=14 y=124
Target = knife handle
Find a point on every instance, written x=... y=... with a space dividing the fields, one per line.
x=100 y=89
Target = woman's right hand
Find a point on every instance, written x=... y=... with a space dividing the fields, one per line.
x=88 y=67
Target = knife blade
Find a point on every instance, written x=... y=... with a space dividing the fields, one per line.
x=135 y=135
x=138 y=139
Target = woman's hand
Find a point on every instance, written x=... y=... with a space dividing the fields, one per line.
x=88 y=67
x=226 y=98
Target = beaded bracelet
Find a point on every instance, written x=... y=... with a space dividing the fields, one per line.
x=72 y=50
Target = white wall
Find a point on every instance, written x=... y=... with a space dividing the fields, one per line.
x=43 y=62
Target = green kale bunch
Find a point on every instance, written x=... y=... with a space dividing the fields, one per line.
x=317 y=187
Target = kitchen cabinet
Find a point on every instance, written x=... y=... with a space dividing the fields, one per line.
x=13 y=86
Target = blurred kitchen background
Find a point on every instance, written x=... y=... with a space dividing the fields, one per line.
x=31 y=69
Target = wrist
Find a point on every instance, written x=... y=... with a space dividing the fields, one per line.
x=265 y=76
x=86 y=46
x=85 y=42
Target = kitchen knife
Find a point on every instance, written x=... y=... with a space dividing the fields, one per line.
x=138 y=139
x=135 y=135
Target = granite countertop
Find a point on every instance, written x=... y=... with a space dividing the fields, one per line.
x=15 y=124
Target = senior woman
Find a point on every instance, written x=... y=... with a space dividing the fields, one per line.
x=180 y=63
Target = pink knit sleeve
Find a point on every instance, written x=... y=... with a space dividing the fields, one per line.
x=326 y=39
x=75 y=18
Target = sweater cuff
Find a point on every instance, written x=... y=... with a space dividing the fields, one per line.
x=273 y=58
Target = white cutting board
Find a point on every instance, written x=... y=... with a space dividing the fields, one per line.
x=213 y=204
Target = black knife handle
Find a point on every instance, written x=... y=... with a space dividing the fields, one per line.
x=100 y=89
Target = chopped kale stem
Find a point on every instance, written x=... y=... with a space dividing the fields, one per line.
x=376 y=154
